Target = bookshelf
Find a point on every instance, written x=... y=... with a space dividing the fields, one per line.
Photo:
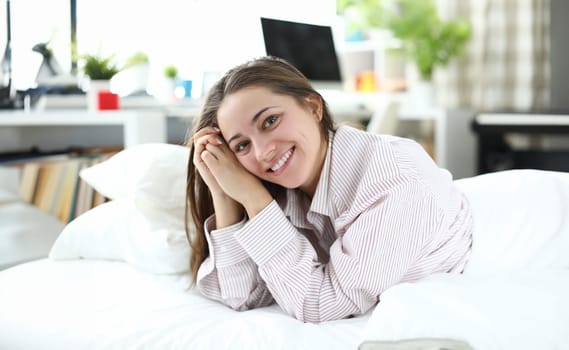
x=51 y=183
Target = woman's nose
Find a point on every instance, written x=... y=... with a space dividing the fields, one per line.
x=265 y=151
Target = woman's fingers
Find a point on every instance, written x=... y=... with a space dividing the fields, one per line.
x=204 y=137
x=202 y=141
x=207 y=155
x=217 y=149
x=203 y=134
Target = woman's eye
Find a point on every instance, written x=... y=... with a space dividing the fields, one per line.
x=270 y=121
x=241 y=146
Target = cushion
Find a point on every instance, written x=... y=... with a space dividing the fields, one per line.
x=127 y=230
x=520 y=220
x=521 y=310
x=154 y=171
x=143 y=224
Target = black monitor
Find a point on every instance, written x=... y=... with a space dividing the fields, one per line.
x=308 y=47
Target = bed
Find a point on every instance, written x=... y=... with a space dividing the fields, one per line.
x=116 y=277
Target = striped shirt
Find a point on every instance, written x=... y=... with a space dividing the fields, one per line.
x=383 y=213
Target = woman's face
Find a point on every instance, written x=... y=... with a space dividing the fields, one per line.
x=274 y=137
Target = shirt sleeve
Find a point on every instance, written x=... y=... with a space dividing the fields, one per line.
x=374 y=253
x=229 y=275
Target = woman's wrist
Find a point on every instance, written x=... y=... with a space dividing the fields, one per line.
x=227 y=210
x=255 y=201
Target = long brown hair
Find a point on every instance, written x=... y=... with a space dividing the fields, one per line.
x=279 y=77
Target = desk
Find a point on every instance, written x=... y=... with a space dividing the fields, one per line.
x=138 y=126
x=143 y=120
x=494 y=152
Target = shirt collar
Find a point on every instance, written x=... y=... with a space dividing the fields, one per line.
x=321 y=202
x=297 y=204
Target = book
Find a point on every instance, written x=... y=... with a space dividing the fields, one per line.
x=84 y=195
x=48 y=186
x=70 y=178
x=53 y=184
x=28 y=181
x=53 y=101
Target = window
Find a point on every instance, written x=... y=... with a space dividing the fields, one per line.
x=195 y=35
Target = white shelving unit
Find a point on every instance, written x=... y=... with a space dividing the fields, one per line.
x=138 y=126
x=370 y=55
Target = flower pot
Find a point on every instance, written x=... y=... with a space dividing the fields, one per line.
x=93 y=88
x=422 y=94
x=132 y=80
x=166 y=92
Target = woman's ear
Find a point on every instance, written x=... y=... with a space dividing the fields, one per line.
x=314 y=102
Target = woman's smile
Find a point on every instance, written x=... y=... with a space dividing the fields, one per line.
x=282 y=163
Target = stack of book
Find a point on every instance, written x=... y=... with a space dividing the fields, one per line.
x=52 y=183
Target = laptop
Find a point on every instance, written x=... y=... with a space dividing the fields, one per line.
x=308 y=47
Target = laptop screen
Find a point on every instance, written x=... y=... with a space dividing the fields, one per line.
x=309 y=47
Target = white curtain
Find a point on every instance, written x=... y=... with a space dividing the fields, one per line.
x=506 y=64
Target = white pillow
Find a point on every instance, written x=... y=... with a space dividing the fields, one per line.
x=153 y=171
x=508 y=311
x=520 y=220
x=130 y=230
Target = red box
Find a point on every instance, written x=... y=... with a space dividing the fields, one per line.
x=107 y=101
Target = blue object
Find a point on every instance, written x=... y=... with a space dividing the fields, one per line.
x=187 y=86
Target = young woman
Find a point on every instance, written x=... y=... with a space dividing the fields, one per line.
x=321 y=220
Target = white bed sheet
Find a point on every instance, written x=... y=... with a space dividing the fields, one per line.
x=512 y=296
x=90 y=304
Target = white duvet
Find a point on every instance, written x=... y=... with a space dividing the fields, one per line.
x=512 y=296
x=89 y=304
x=517 y=311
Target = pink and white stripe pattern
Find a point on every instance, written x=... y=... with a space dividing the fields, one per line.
x=383 y=213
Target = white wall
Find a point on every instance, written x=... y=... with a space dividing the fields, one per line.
x=195 y=35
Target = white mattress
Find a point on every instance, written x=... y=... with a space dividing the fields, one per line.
x=88 y=304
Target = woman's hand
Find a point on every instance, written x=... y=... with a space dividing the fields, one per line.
x=202 y=138
x=227 y=210
x=228 y=175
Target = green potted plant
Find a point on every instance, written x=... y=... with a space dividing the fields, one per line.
x=427 y=40
x=98 y=67
x=171 y=71
x=100 y=70
x=138 y=58
x=133 y=77
x=167 y=93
